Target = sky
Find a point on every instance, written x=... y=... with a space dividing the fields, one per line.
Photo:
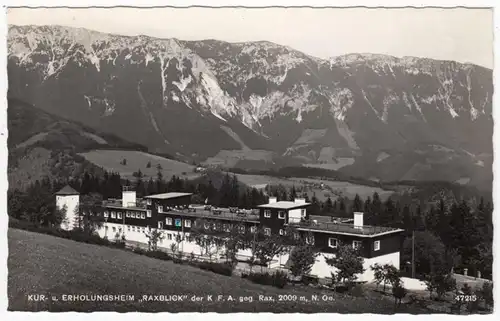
x=461 y=34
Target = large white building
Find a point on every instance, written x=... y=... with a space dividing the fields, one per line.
x=173 y=214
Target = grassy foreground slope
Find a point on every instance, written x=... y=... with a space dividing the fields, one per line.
x=42 y=264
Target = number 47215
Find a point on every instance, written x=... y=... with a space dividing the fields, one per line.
x=465 y=298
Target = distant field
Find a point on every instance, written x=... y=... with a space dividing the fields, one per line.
x=42 y=264
x=314 y=186
x=110 y=160
x=332 y=165
x=229 y=158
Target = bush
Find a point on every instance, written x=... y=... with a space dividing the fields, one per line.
x=306 y=279
x=219 y=268
x=139 y=250
x=158 y=255
x=278 y=279
x=357 y=291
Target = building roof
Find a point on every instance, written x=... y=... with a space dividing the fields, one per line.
x=345 y=229
x=166 y=196
x=284 y=205
x=67 y=190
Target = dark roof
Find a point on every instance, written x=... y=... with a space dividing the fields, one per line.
x=346 y=229
x=67 y=190
x=170 y=195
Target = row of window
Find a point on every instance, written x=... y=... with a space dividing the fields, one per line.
x=334 y=243
x=281 y=214
x=225 y=227
x=130 y=228
x=119 y=215
x=178 y=222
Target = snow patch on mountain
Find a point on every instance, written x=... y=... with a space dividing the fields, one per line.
x=341 y=100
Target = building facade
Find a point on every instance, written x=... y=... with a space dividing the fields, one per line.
x=176 y=217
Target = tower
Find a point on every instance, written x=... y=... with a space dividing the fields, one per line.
x=69 y=199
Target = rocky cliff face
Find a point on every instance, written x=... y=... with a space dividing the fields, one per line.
x=260 y=103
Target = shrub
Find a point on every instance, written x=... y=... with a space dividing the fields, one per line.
x=357 y=291
x=158 y=255
x=139 y=250
x=399 y=292
x=278 y=279
x=219 y=268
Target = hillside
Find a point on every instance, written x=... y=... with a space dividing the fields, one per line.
x=91 y=269
x=112 y=161
x=375 y=116
x=41 y=144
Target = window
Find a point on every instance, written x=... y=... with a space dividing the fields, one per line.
x=143 y=216
x=267 y=231
x=160 y=225
x=132 y=214
x=303 y=212
x=281 y=214
x=267 y=213
x=178 y=222
x=282 y=232
x=296 y=236
x=376 y=245
x=114 y=229
x=149 y=213
x=187 y=223
x=242 y=229
x=148 y=201
x=128 y=228
x=169 y=237
x=106 y=228
x=168 y=221
x=160 y=209
x=356 y=244
x=333 y=242
x=120 y=229
x=106 y=214
x=133 y=228
x=119 y=215
x=253 y=229
x=113 y=214
x=310 y=239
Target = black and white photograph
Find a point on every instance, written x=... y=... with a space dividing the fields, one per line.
x=238 y=159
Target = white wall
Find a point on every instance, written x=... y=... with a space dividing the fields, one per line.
x=323 y=270
x=294 y=216
x=72 y=202
x=128 y=198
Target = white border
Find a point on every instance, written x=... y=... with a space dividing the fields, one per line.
x=207 y=3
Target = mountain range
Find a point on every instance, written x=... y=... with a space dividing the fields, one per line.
x=260 y=105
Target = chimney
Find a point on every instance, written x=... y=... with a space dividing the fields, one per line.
x=128 y=197
x=358 y=219
x=273 y=199
x=299 y=200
